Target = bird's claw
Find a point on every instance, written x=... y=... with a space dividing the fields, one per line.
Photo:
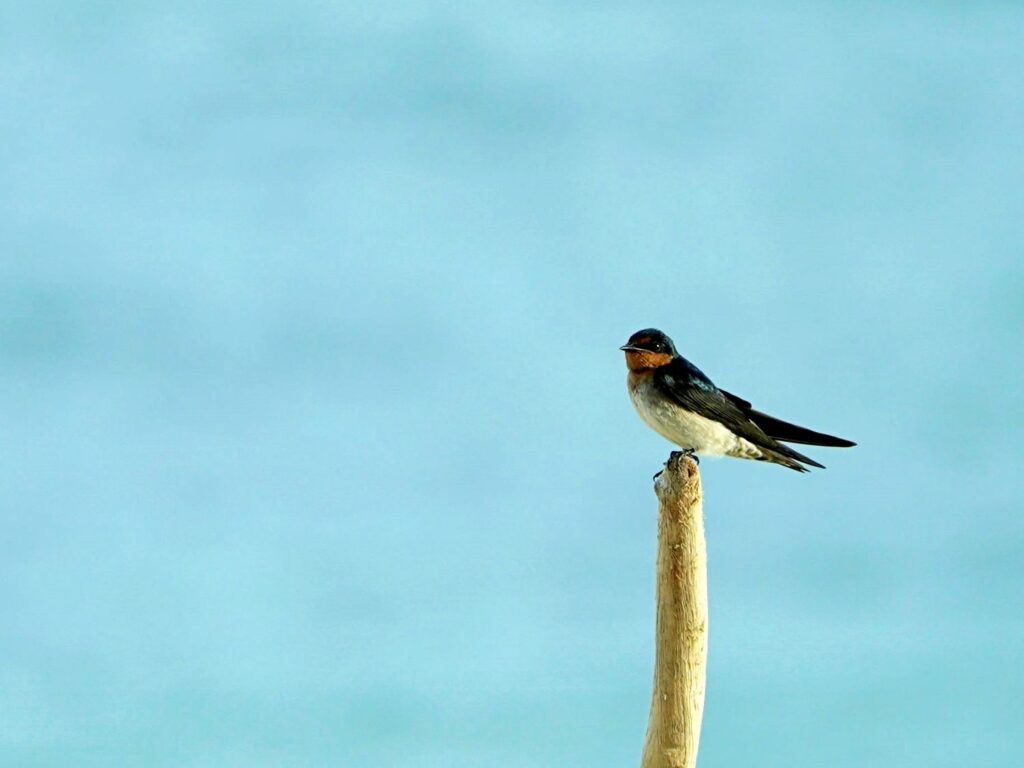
x=675 y=456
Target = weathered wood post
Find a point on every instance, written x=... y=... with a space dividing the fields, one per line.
x=681 y=634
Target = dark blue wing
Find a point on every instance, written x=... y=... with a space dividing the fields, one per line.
x=695 y=392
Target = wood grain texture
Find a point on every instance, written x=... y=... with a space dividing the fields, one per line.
x=681 y=635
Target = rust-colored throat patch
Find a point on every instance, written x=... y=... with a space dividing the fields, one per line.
x=645 y=361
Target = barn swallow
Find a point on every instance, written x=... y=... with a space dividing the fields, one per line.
x=676 y=400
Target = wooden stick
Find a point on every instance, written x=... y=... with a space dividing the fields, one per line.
x=681 y=650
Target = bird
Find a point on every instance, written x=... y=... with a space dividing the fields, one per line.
x=680 y=403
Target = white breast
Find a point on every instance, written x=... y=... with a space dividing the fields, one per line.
x=687 y=430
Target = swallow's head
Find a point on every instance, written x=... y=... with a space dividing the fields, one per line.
x=648 y=349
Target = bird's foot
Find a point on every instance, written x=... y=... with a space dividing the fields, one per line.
x=675 y=456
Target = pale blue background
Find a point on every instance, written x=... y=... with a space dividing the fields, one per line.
x=315 y=443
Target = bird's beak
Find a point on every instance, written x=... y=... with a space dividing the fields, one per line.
x=630 y=348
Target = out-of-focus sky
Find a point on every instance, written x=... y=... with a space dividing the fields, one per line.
x=315 y=442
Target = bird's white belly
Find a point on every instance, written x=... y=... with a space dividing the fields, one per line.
x=684 y=428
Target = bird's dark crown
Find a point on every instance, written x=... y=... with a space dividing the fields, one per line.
x=650 y=340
